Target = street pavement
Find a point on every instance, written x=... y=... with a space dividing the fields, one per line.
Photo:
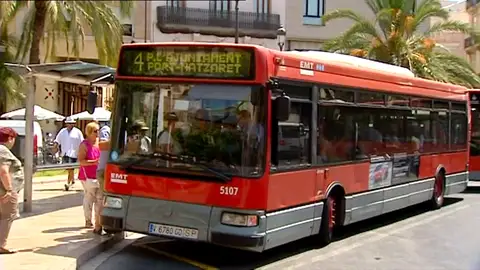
x=53 y=236
x=413 y=238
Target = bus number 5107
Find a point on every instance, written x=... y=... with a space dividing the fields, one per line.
x=230 y=191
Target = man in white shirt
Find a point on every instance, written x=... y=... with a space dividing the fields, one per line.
x=165 y=141
x=69 y=139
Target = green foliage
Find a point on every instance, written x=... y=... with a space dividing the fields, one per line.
x=64 y=20
x=10 y=82
x=68 y=20
x=395 y=37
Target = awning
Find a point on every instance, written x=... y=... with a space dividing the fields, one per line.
x=74 y=72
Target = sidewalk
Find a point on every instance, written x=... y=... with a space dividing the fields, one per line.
x=52 y=179
x=52 y=235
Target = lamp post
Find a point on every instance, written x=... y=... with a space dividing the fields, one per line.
x=2 y=51
x=145 y=33
x=236 y=21
x=281 y=34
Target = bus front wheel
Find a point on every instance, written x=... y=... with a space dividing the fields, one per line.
x=329 y=217
x=438 y=196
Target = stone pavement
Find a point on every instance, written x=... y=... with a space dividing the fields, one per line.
x=52 y=235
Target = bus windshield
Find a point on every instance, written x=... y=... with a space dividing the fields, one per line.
x=186 y=128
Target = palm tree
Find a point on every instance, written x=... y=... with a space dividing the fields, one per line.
x=46 y=21
x=10 y=82
x=395 y=37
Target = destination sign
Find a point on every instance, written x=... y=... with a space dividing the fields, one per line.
x=183 y=61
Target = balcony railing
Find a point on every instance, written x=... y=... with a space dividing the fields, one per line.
x=469 y=42
x=203 y=20
x=471 y=3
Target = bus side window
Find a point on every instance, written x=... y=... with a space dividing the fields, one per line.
x=293 y=137
x=459 y=131
x=335 y=135
x=439 y=131
x=370 y=139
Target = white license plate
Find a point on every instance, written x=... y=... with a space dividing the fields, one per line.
x=172 y=231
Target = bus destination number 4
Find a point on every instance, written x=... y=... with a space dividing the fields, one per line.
x=229 y=191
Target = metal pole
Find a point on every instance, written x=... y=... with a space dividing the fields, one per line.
x=145 y=21
x=236 y=21
x=28 y=166
x=2 y=52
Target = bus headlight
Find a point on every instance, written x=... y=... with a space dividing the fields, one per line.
x=239 y=220
x=112 y=202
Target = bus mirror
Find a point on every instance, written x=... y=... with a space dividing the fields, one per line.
x=91 y=101
x=283 y=107
x=255 y=97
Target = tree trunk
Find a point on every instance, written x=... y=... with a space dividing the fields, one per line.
x=38 y=30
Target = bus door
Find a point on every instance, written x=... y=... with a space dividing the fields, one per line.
x=474 y=163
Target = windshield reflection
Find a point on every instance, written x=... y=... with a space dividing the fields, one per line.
x=221 y=126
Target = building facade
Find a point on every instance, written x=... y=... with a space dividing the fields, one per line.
x=214 y=21
x=307 y=31
x=473 y=55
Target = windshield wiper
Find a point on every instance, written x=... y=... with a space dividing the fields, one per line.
x=193 y=161
x=177 y=158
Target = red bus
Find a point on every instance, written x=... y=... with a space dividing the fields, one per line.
x=243 y=146
x=474 y=161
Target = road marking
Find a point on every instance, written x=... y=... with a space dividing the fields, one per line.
x=178 y=258
x=148 y=240
x=366 y=238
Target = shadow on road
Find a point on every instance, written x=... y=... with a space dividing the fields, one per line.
x=390 y=218
x=472 y=190
x=226 y=258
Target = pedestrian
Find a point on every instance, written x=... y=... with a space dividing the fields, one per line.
x=69 y=139
x=88 y=156
x=11 y=176
x=104 y=133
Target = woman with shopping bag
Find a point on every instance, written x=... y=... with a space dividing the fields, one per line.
x=88 y=156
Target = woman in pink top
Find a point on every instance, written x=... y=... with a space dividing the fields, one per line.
x=88 y=156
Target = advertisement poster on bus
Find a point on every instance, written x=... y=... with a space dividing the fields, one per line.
x=380 y=173
x=405 y=168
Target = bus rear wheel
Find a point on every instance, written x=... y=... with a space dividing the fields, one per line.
x=438 y=196
x=329 y=217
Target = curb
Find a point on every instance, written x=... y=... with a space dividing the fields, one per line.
x=43 y=182
x=93 y=250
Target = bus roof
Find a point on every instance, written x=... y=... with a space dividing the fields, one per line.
x=355 y=67
x=355 y=61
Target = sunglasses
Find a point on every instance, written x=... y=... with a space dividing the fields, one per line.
x=95 y=131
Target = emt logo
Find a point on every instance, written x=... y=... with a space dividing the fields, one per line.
x=118 y=178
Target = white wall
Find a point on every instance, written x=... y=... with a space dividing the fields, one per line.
x=43 y=87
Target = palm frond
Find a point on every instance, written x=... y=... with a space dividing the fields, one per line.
x=68 y=21
x=25 y=42
x=454 y=26
x=10 y=82
x=429 y=9
x=402 y=43
x=343 y=14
